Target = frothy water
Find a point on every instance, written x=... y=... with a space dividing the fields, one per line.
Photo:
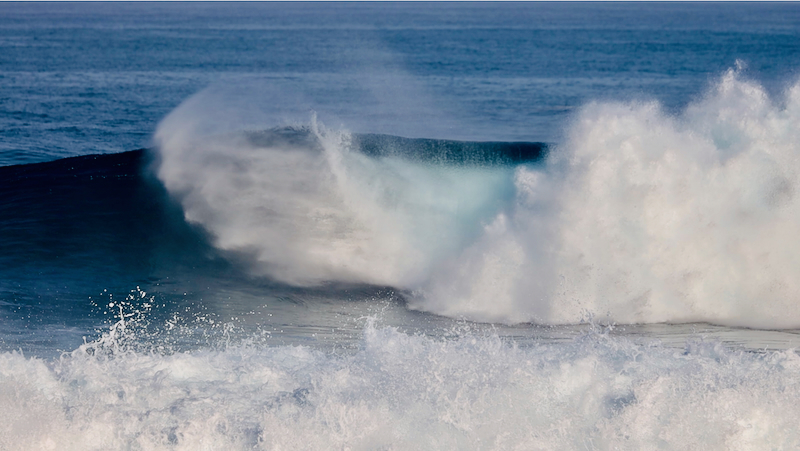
x=639 y=216
x=645 y=217
x=399 y=391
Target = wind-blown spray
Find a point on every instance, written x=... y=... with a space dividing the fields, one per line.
x=644 y=217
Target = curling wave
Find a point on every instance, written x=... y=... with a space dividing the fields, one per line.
x=638 y=216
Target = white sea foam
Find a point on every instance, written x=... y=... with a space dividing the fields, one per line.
x=397 y=391
x=645 y=217
x=638 y=216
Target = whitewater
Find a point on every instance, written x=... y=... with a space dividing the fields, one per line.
x=390 y=226
x=400 y=391
x=638 y=217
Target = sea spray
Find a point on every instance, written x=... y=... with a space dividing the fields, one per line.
x=643 y=217
x=308 y=209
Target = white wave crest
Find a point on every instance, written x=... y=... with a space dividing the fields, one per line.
x=639 y=216
x=644 y=217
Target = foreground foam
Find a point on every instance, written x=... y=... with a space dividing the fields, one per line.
x=397 y=391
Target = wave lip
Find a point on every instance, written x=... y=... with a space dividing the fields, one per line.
x=442 y=151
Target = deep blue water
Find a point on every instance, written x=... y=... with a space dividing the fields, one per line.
x=399 y=225
x=97 y=78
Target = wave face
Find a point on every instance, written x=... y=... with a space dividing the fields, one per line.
x=638 y=217
x=85 y=223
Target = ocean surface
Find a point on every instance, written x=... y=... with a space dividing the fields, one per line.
x=396 y=226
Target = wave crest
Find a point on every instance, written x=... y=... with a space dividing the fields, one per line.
x=643 y=217
x=638 y=217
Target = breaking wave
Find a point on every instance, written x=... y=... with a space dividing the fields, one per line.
x=638 y=216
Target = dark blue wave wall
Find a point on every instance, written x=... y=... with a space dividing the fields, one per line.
x=73 y=227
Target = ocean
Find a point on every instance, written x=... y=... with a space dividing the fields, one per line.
x=395 y=226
